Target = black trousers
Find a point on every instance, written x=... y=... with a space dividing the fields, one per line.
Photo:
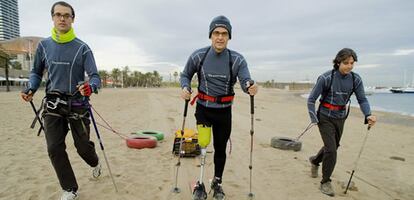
x=57 y=124
x=220 y=120
x=331 y=133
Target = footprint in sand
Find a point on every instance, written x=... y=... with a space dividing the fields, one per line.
x=171 y=119
x=397 y=158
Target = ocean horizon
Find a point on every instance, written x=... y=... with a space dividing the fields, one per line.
x=387 y=102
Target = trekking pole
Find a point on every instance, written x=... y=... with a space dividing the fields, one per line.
x=102 y=147
x=356 y=161
x=251 y=195
x=37 y=117
x=176 y=189
x=306 y=130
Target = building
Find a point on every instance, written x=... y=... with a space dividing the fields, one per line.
x=21 y=50
x=9 y=20
x=18 y=50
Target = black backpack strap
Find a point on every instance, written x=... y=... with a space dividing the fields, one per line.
x=326 y=92
x=350 y=95
x=231 y=90
x=200 y=65
x=353 y=85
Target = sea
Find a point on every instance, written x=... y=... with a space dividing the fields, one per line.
x=400 y=103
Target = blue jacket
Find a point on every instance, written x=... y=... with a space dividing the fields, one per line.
x=65 y=64
x=338 y=94
x=215 y=73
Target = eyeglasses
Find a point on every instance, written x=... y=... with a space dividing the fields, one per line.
x=59 y=16
x=218 y=33
x=347 y=63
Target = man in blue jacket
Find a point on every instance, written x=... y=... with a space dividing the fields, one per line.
x=217 y=68
x=335 y=88
x=66 y=59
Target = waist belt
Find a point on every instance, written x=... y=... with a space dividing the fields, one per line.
x=333 y=107
x=219 y=99
x=53 y=99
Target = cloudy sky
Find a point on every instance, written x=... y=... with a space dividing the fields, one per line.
x=282 y=40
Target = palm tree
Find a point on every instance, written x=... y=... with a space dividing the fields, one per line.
x=157 y=79
x=4 y=59
x=125 y=79
x=175 y=76
x=115 y=76
x=104 y=76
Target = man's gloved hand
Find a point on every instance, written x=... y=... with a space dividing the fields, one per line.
x=85 y=89
x=27 y=94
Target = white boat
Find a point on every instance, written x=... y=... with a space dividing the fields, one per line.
x=408 y=89
x=403 y=90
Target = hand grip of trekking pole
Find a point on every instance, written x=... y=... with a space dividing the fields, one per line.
x=186 y=107
x=251 y=104
x=251 y=82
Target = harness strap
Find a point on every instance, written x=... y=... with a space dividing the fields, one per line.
x=205 y=97
x=77 y=116
x=53 y=114
x=326 y=92
x=200 y=66
x=333 y=107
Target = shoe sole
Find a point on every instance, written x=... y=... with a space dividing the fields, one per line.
x=329 y=194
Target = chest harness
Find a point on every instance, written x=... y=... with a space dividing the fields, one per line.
x=333 y=107
x=222 y=99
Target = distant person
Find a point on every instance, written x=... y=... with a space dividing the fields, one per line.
x=217 y=68
x=66 y=60
x=335 y=88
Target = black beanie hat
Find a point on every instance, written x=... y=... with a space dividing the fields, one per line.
x=220 y=21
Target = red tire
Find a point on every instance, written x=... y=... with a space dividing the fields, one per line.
x=140 y=142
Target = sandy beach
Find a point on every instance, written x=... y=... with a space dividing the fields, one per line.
x=385 y=169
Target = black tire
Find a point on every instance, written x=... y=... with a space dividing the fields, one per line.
x=285 y=143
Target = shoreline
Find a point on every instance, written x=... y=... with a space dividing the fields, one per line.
x=376 y=109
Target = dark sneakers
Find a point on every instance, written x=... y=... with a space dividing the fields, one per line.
x=96 y=171
x=218 y=193
x=314 y=168
x=199 y=192
x=327 y=189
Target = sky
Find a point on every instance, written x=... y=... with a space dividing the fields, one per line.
x=291 y=40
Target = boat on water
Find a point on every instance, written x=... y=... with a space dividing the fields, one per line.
x=409 y=88
x=403 y=90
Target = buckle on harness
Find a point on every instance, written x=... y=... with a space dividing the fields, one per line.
x=53 y=105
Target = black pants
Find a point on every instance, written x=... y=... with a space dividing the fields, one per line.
x=331 y=132
x=56 y=128
x=220 y=120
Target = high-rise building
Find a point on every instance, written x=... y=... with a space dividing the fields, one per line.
x=9 y=20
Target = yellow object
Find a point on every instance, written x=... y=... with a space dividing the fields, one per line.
x=189 y=143
x=63 y=38
x=204 y=135
x=188 y=133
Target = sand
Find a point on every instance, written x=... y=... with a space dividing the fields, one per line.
x=385 y=169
